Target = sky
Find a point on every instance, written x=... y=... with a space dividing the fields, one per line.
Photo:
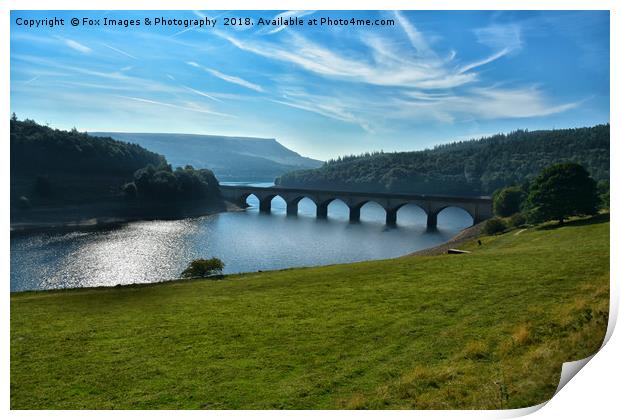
x=324 y=91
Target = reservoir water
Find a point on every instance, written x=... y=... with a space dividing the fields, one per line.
x=151 y=251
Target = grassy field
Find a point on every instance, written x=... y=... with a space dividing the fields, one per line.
x=484 y=330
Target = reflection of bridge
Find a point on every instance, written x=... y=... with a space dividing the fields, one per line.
x=479 y=208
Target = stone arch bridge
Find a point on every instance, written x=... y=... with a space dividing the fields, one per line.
x=479 y=208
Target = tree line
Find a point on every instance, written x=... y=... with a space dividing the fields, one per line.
x=557 y=193
x=473 y=167
x=41 y=149
x=164 y=183
x=51 y=166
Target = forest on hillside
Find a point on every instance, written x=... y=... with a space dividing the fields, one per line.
x=38 y=148
x=473 y=167
x=51 y=167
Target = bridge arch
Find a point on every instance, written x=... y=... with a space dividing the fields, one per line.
x=292 y=202
x=322 y=209
x=355 y=210
x=463 y=210
x=411 y=213
x=392 y=211
x=254 y=200
x=265 y=202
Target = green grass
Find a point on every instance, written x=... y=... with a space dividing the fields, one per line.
x=484 y=330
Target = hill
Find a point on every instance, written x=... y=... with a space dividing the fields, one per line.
x=474 y=167
x=485 y=330
x=230 y=158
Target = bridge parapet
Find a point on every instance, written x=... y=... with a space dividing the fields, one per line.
x=479 y=208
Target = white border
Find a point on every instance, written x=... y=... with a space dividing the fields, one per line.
x=592 y=393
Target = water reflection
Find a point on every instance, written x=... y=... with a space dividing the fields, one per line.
x=246 y=241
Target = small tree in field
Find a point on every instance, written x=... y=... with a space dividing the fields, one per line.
x=560 y=191
x=494 y=226
x=203 y=268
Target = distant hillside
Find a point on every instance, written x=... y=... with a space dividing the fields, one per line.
x=465 y=168
x=230 y=158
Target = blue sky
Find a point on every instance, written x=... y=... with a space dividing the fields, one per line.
x=431 y=78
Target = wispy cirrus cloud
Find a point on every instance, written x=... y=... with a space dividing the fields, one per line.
x=228 y=78
x=384 y=64
x=118 y=50
x=415 y=37
x=77 y=46
x=130 y=85
x=429 y=70
x=33 y=79
x=414 y=83
x=501 y=37
x=328 y=106
x=480 y=103
x=187 y=107
x=484 y=61
x=48 y=63
x=375 y=67
x=201 y=93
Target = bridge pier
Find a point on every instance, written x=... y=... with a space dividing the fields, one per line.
x=264 y=205
x=292 y=208
x=431 y=220
x=321 y=210
x=482 y=214
x=354 y=214
x=390 y=217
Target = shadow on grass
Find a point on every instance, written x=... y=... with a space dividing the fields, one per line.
x=599 y=218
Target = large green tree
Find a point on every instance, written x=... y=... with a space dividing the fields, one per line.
x=508 y=201
x=562 y=190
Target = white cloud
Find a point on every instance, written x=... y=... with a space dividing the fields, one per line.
x=415 y=37
x=411 y=106
x=327 y=106
x=484 y=103
x=408 y=84
x=77 y=46
x=501 y=37
x=201 y=93
x=386 y=63
x=386 y=68
x=491 y=103
x=484 y=61
x=119 y=51
x=189 y=107
x=228 y=78
x=381 y=82
x=27 y=82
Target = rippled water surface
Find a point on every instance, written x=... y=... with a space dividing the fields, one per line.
x=152 y=251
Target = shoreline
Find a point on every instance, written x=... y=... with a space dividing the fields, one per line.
x=54 y=223
x=459 y=238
